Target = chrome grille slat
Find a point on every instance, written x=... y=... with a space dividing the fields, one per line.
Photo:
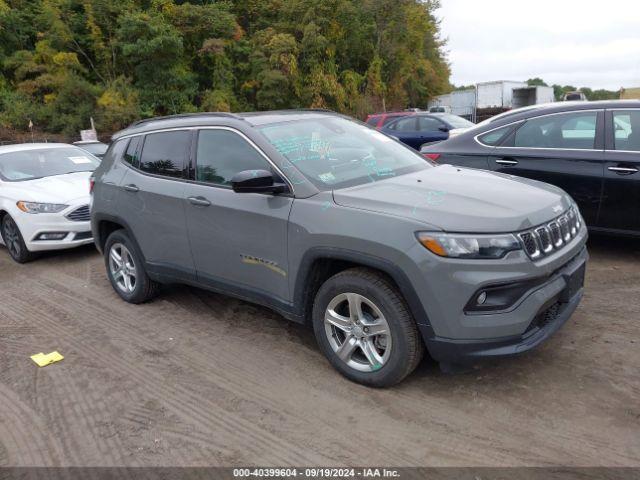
x=564 y=228
x=545 y=239
x=530 y=244
x=552 y=236
x=556 y=235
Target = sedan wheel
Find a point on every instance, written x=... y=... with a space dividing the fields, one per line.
x=11 y=236
x=358 y=332
x=14 y=242
x=122 y=268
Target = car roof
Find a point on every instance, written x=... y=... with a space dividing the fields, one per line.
x=88 y=142
x=393 y=114
x=557 y=107
x=222 y=119
x=22 y=147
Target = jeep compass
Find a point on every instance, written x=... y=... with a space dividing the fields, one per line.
x=332 y=223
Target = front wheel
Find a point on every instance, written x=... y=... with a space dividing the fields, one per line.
x=14 y=241
x=364 y=328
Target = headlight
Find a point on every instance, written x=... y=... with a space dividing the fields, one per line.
x=31 y=207
x=468 y=246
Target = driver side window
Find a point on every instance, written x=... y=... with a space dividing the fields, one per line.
x=223 y=153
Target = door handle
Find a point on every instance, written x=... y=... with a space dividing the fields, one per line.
x=199 y=201
x=624 y=170
x=131 y=188
x=507 y=161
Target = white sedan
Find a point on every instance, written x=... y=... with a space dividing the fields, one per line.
x=44 y=197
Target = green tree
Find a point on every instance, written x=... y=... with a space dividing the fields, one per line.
x=153 y=51
x=63 y=61
x=536 y=82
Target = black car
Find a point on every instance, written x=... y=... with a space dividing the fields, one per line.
x=589 y=149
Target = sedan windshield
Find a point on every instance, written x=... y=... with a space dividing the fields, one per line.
x=333 y=152
x=46 y=162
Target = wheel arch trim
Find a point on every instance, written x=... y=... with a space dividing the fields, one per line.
x=314 y=254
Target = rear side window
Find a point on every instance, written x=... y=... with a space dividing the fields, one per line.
x=576 y=130
x=373 y=121
x=495 y=137
x=404 y=125
x=388 y=119
x=131 y=155
x=165 y=153
x=428 y=124
x=222 y=153
x=626 y=126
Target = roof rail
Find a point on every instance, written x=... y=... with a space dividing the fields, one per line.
x=183 y=115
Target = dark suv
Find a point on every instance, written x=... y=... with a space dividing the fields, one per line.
x=328 y=221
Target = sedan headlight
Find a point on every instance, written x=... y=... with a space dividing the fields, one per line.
x=32 y=207
x=468 y=246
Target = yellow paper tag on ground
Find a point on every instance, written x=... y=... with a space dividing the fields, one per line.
x=43 y=360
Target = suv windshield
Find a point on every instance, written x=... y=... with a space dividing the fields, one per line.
x=334 y=152
x=31 y=164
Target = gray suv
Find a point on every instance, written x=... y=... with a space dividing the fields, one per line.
x=332 y=223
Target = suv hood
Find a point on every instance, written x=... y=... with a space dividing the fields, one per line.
x=461 y=200
x=55 y=189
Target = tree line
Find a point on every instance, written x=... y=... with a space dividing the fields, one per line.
x=559 y=91
x=64 y=61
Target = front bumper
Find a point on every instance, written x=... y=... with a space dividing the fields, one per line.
x=557 y=306
x=33 y=225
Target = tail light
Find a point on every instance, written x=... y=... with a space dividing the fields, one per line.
x=432 y=156
x=92 y=182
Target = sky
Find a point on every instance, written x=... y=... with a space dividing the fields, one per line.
x=583 y=43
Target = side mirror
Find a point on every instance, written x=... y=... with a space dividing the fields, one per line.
x=256 y=181
x=444 y=129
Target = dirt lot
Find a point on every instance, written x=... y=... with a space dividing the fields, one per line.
x=198 y=379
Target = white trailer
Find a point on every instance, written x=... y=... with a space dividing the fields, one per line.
x=458 y=102
x=497 y=94
x=534 y=95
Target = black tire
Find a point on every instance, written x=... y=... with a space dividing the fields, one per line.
x=407 y=347
x=13 y=240
x=143 y=289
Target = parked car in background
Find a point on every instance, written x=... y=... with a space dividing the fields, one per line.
x=332 y=223
x=379 y=120
x=44 y=197
x=574 y=97
x=589 y=149
x=94 y=147
x=426 y=128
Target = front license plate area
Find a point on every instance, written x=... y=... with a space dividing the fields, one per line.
x=575 y=282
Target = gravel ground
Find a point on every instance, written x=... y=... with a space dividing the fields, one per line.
x=198 y=379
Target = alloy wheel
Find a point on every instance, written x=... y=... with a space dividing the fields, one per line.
x=358 y=332
x=122 y=268
x=12 y=238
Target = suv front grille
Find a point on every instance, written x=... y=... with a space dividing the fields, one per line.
x=80 y=214
x=552 y=236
